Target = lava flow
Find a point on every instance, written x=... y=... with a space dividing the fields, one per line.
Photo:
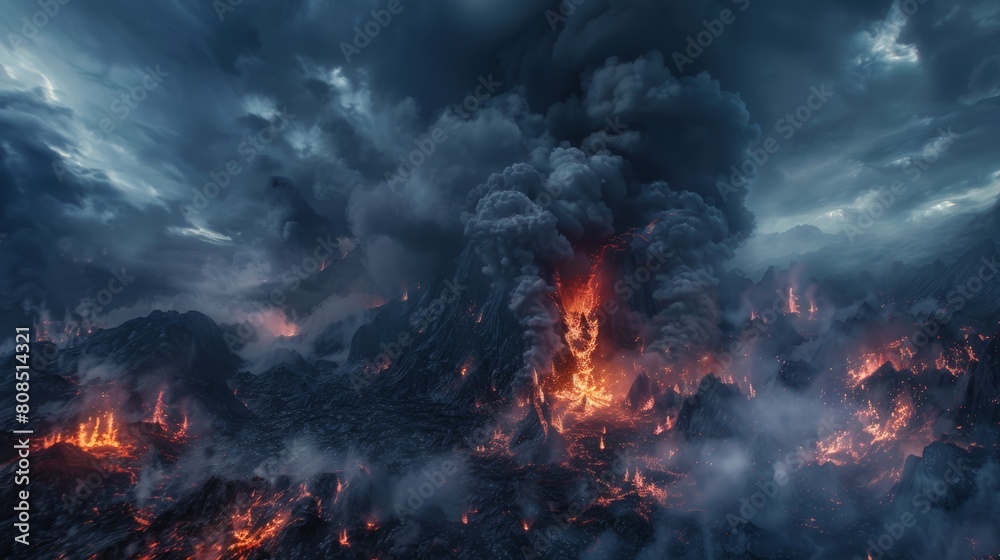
x=609 y=430
x=98 y=435
x=105 y=436
x=249 y=526
x=584 y=391
x=896 y=353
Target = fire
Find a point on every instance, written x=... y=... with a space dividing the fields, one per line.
x=246 y=537
x=580 y=305
x=102 y=435
x=837 y=449
x=343 y=539
x=93 y=436
x=645 y=488
x=970 y=352
x=159 y=414
x=956 y=360
x=668 y=424
x=864 y=368
x=793 y=302
x=897 y=353
x=184 y=428
x=877 y=433
x=254 y=524
x=143 y=517
x=889 y=430
x=161 y=417
x=274 y=322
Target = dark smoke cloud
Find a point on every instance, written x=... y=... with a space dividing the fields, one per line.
x=515 y=238
x=561 y=83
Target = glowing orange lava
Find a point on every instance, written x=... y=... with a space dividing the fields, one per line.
x=97 y=435
x=159 y=411
x=580 y=315
x=253 y=524
x=666 y=426
x=793 y=302
x=897 y=353
x=888 y=430
x=248 y=534
x=838 y=449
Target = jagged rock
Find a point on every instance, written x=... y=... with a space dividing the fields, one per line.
x=943 y=477
x=642 y=393
x=797 y=374
x=981 y=403
x=710 y=413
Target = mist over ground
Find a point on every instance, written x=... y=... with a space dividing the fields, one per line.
x=480 y=279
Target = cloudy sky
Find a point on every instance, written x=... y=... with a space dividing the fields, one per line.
x=210 y=148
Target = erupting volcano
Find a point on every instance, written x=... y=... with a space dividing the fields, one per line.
x=501 y=279
x=583 y=390
x=610 y=431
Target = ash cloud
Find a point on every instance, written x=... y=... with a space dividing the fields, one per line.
x=515 y=238
x=591 y=138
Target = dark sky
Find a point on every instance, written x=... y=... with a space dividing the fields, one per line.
x=181 y=88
